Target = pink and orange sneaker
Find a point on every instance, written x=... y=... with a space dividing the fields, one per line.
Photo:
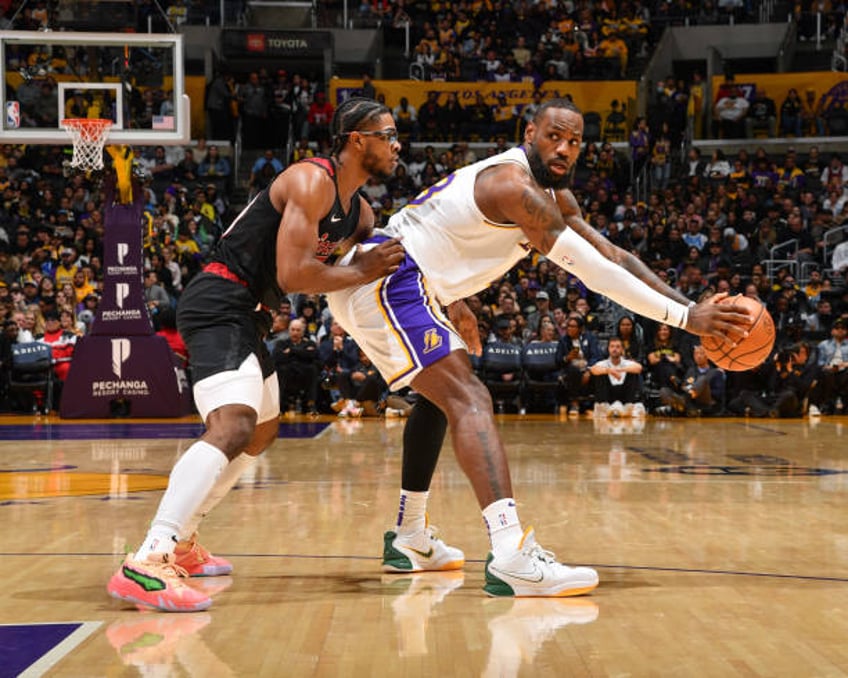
x=198 y=562
x=157 y=583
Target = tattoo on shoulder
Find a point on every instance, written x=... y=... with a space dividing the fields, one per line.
x=540 y=210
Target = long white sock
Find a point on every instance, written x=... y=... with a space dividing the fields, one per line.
x=412 y=512
x=229 y=477
x=504 y=527
x=192 y=478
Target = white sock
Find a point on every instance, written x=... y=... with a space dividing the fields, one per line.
x=412 y=512
x=192 y=478
x=504 y=527
x=228 y=478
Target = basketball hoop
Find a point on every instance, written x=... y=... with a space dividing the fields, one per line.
x=88 y=135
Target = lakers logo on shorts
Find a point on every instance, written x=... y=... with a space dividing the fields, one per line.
x=432 y=340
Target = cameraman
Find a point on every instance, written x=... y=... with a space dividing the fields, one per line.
x=338 y=354
x=786 y=386
x=701 y=391
x=784 y=392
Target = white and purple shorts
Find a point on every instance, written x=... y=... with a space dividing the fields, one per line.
x=396 y=321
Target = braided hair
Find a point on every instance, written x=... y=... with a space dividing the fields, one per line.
x=351 y=116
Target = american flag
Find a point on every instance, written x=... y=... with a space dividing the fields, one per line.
x=163 y=122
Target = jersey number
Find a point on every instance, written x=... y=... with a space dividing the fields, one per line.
x=425 y=195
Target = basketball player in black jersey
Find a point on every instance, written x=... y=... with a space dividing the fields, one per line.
x=309 y=215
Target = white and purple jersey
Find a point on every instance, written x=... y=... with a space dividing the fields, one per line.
x=456 y=247
x=452 y=251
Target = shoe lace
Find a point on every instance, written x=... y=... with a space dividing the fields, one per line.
x=433 y=533
x=199 y=552
x=170 y=569
x=536 y=551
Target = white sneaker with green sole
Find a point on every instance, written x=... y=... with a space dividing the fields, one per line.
x=531 y=571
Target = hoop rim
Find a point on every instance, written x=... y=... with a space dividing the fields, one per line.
x=97 y=123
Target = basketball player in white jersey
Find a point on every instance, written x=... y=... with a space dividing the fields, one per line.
x=462 y=233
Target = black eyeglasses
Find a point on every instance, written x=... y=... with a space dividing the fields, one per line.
x=390 y=135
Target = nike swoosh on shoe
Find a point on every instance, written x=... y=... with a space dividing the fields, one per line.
x=534 y=577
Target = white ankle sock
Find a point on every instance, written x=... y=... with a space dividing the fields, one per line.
x=192 y=478
x=229 y=477
x=412 y=512
x=504 y=527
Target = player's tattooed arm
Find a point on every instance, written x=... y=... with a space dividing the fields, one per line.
x=573 y=217
x=507 y=194
x=540 y=220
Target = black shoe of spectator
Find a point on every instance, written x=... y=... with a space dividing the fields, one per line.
x=677 y=402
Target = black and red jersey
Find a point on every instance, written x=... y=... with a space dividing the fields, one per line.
x=248 y=248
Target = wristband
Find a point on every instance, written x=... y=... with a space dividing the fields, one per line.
x=685 y=318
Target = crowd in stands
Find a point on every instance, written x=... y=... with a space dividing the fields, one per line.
x=508 y=42
x=272 y=109
x=707 y=228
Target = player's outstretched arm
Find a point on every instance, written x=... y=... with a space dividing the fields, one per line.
x=556 y=228
x=573 y=219
x=308 y=195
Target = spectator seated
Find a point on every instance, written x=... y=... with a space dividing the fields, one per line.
x=502 y=373
x=541 y=376
x=617 y=383
x=32 y=376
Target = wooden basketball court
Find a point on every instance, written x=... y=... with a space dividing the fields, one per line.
x=722 y=547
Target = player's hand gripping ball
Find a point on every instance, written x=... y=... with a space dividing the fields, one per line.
x=749 y=351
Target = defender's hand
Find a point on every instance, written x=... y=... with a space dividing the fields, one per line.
x=723 y=321
x=465 y=322
x=380 y=260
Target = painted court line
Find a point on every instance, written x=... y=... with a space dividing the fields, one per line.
x=124 y=431
x=61 y=650
x=342 y=556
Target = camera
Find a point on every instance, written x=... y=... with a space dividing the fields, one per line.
x=783 y=359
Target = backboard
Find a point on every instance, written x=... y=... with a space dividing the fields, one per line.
x=135 y=80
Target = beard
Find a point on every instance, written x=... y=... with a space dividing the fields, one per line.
x=371 y=163
x=544 y=177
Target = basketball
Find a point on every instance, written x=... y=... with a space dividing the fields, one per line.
x=749 y=351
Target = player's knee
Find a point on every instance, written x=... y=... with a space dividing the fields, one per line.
x=482 y=396
x=469 y=397
x=266 y=434
x=234 y=433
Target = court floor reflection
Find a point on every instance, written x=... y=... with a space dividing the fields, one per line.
x=519 y=632
x=417 y=604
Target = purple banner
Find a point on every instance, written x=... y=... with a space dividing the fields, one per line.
x=122 y=310
x=122 y=368
x=125 y=376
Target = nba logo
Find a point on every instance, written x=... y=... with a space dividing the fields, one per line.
x=13 y=114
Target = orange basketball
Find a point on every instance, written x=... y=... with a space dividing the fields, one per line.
x=749 y=351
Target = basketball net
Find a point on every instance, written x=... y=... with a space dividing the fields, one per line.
x=88 y=136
